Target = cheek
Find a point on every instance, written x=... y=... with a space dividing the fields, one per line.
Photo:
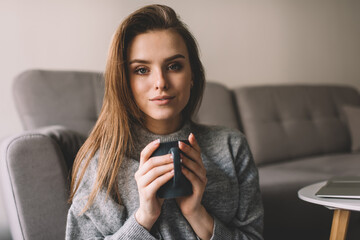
x=138 y=89
x=185 y=93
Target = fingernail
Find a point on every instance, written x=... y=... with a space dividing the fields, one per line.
x=172 y=171
x=181 y=160
x=157 y=141
x=179 y=143
x=171 y=156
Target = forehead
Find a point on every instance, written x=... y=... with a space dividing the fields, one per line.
x=157 y=45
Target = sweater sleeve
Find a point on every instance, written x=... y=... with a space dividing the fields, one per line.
x=248 y=221
x=104 y=219
x=82 y=227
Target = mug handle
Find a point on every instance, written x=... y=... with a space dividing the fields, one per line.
x=175 y=152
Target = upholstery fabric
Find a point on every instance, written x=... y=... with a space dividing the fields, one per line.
x=68 y=141
x=34 y=163
x=68 y=98
x=353 y=119
x=285 y=179
x=303 y=171
x=288 y=122
x=217 y=107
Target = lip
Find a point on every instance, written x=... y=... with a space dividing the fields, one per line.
x=162 y=99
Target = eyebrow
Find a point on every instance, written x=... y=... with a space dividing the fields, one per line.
x=166 y=59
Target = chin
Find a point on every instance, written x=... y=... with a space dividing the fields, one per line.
x=164 y=116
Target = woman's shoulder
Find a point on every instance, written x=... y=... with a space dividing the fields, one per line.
x=219 y=138
x=217 y=132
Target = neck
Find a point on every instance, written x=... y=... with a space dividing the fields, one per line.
x=164 y=127
x=144 y=134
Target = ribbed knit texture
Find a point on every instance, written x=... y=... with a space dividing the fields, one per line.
x=232 y=194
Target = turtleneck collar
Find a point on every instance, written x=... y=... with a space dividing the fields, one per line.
x=143 y=137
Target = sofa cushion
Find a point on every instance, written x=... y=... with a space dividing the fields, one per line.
x=285 y=213
x=301 y=172
x=68 y=98
x=217 y=107
x=289 y=122
x=353 y=119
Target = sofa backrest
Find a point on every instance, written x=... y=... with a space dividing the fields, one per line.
x=218 y=107
x=280 y=122
x=289 y=122
x=73 y=99
x=68 y=98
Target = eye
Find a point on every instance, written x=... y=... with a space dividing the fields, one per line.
x=141 y=70
x=174 y=67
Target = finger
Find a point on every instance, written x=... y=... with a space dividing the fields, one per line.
x=194 y=167
x=193 y=142
x=148 y=151
x=154 y=186
x=154 y=173
x=190 y=152
x=195 y=181
x=155 y=162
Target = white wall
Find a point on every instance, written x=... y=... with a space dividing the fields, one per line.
x=243 y=42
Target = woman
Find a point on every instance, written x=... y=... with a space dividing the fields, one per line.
x=154 y=82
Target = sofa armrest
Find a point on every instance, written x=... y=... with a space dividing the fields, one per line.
x=34 y=174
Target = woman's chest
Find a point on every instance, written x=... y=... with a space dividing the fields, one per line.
x=221 y=196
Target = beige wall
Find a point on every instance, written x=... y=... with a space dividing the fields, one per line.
x=243 y=42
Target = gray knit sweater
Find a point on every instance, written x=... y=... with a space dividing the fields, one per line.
x=232 y=194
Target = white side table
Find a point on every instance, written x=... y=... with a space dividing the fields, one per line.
x=341 y=207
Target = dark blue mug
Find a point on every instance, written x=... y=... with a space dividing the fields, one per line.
x=179 y=185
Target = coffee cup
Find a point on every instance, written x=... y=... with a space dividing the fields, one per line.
x=179 y=185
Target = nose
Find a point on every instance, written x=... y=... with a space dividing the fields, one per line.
x=160 y=80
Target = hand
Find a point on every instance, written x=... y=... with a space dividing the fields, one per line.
x=192 y=209
x=195 y=172
x=152 y=174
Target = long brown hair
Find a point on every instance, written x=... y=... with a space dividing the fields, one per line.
x=111 y=135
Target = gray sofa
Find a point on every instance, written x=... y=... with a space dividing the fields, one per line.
x=298 y=134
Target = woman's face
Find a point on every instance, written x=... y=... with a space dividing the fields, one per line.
x=160 y=76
